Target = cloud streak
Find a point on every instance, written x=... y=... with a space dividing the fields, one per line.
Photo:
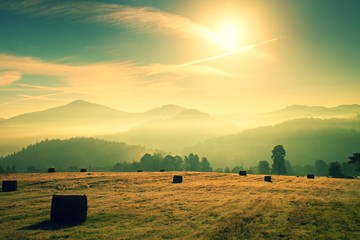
x=9 y=77
x=223 y=55
x=139 y=19
x=97 y=80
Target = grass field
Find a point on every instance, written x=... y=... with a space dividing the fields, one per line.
x=205 y=206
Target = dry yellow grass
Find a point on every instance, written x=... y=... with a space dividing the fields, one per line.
x=205 y=206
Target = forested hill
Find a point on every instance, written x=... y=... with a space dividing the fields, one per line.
x=305 y=140
x=79 y=152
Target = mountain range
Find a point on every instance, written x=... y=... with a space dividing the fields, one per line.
x=305 y=141
x=292 y=112
x=180 y=130
x=174 y=133
x=171 y=124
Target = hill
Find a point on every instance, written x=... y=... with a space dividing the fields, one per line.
x=173 y=134
x=164 y=112
x=205 y=206
x=78 y=118
x=78 y=110
x=305 y=140
x=290 y=113
x=301 y=111
x=79 y=152
x=169 y=127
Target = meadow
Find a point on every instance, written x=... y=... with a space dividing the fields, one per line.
x=146 y=205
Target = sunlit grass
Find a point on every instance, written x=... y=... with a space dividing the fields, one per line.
x=205 y=206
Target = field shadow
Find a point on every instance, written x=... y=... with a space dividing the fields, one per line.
x=51 y=226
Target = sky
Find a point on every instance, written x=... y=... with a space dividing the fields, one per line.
x=216 y=56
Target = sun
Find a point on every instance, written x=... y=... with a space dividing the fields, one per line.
x=228 y=36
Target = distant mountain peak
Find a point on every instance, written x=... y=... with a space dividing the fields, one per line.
x=171 y=106
x=78 y=101
x=73 y=111
x=298 y=107
x=82 y=103
x=165 y=111
x=192 y=113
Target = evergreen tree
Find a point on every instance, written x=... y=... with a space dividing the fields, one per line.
x=278 y=156
x=146 y=162
x=355 y=159
x=289 y=168
x=263 y=167
x=118 y=167
x=321 y=168
x=192 y=162
x=205 y=165
x=335 y=170
x=309 y=169
x=236 y=169
x=171 y=163
x=32 y=169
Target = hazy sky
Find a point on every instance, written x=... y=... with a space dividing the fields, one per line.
x=216 y=56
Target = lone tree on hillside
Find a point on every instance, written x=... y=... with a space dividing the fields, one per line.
x=355 y=159
x=278 y=156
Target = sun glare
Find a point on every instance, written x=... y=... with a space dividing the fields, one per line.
x=228 y=36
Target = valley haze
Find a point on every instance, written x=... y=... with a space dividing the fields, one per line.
x=226 y=140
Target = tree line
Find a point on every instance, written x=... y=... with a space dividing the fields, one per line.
x=157 y=162
x=148 y=162
x=320 y=167
x=191 y=162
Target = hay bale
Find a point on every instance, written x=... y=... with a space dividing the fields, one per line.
x=9 y=186
x=140 y=170
x=242 y=173
x=267 y=179
x=310 y=176
x=177 y=179
x=83 y=170
x=51 y=170
x=162 y=170
x=67 y=209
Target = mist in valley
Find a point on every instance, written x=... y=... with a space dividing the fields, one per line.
x=307 y=133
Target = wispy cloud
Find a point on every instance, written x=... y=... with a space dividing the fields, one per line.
x=9 y=77
x=90 y=75
x=141 y=19
x=100 y=75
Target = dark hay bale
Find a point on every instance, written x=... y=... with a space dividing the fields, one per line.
x=242 y=173
x=177 y=179
x=68 y=209
x=9 y=186
x=162 y=170
x=310 y=176
x=51 y=170
x=139 y=170
x=267 y=179
x=83 y=170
